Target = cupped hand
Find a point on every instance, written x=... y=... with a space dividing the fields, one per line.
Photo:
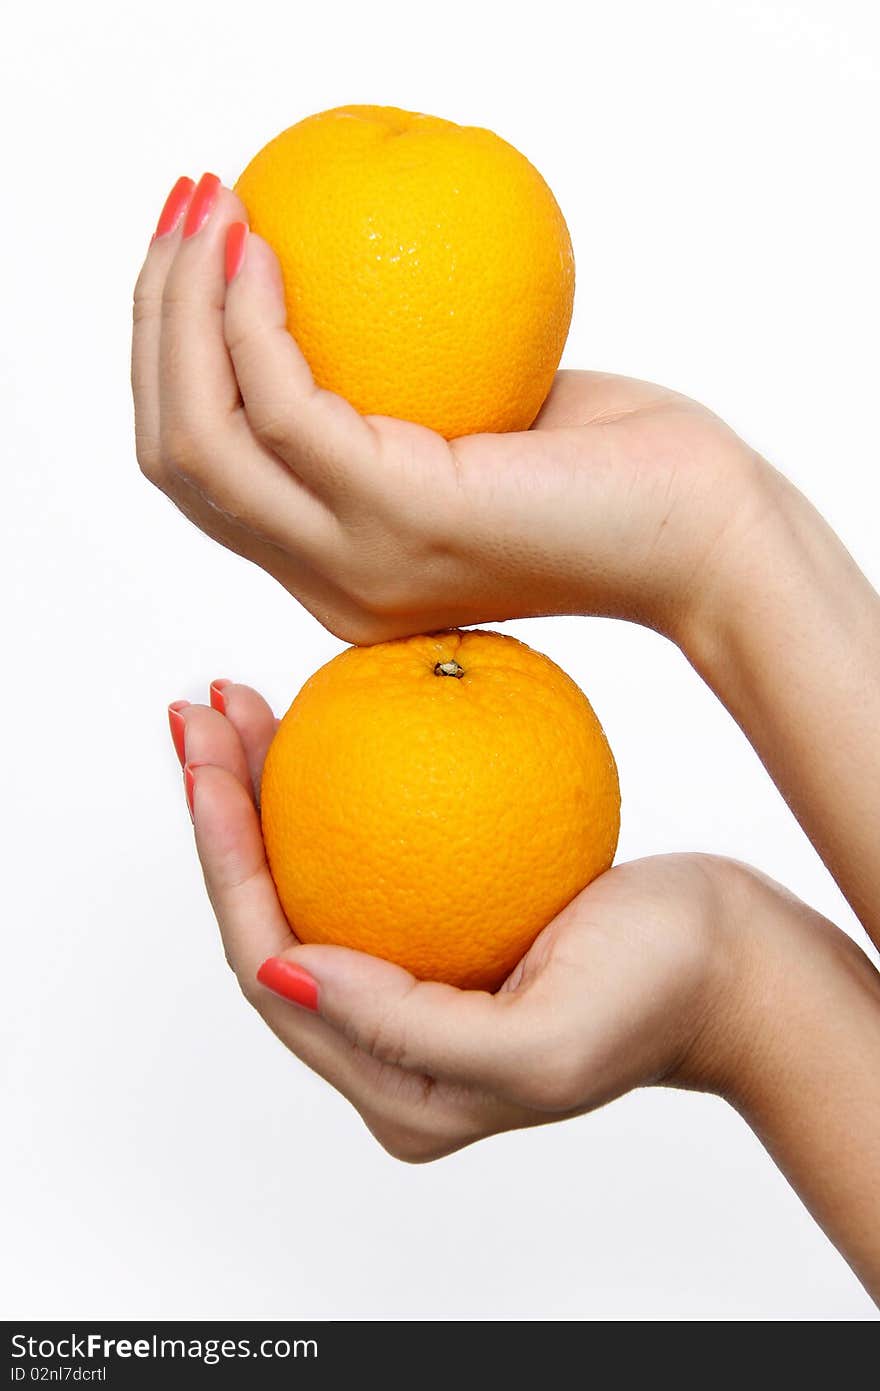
x=640 y=980
x=621 y=500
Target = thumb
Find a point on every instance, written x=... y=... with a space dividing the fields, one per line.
x=463 y=1036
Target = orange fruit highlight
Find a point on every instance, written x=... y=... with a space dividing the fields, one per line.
x=428 y=270
x=436 y=800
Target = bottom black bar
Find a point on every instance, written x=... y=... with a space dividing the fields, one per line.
x=96 y=1353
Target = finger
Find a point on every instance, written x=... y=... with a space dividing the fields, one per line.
x=252 y=718
x=145 y=366
x=194 y=362
x=589 y=398
x=147 y=315
x=204 y=435
x=205 y=737
x=467 y=1037
x=240 y=887
x=320 y=436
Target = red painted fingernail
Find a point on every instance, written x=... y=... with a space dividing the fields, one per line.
x=202 y=204
x=189 y=787
x=218 y=699
x=289 y=981
x=178 y=727
x=175 y=206
x=236 y=241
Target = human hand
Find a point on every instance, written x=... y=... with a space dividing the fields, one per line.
x=623 y=498
x=639 y=980
x=681 y=970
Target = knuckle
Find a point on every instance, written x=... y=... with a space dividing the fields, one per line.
x=273 y=428
x=383 y=1041
x=239 y=336
x=180 y=449
x=409 y=1144
x=191 y=450
x=146 y=302
x=387 y=576
x=385 y=1036
x=148 y=458
x=249 y=986
x=177 y=299
x=378 y=594
x=151 y=468
x=144 y=307
x=355 y=626
x=361 y=632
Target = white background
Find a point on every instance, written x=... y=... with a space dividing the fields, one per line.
x=717 y=162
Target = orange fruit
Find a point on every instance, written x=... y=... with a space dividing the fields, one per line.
x=428 y=270
x=435 y=801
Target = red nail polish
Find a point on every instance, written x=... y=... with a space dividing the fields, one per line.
x=202 y=204
x=236 y=241
x=218 y=699
x=189 y=787
x=175 y=206
x=290 y=981
x=178 y=727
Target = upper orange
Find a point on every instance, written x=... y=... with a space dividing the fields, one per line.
x=427 y=268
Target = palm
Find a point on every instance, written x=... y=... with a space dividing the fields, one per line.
x=474 y=527
x=646 y=435
x=625 y=958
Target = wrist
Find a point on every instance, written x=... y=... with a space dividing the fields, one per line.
x=734 y=575
x=680 y=546
x=730 y=1012
x=775 y=973
x=777 y=569
x=800 y=996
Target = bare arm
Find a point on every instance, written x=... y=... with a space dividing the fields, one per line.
x=804 y=1072
x=788 y=637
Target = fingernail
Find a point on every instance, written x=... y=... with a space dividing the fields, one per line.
x=218 y=699
x=202 y=204
x=175 y=205
x=289 y=981
x=189 y=787
x=178 y=727
x=236 y=241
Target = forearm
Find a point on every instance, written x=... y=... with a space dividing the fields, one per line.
x=806 y=1076
x=789 y=639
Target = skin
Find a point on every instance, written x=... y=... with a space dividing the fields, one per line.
x=626 y=500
